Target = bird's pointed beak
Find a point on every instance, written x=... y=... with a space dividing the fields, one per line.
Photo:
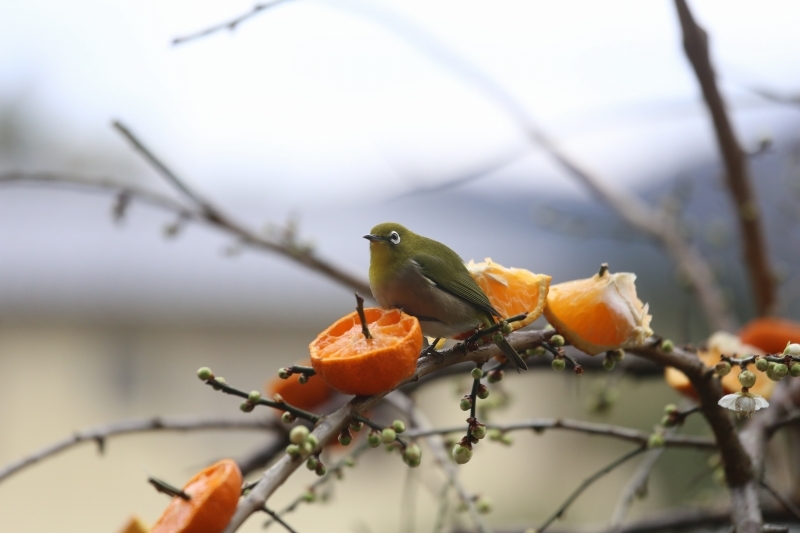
x=374 y=238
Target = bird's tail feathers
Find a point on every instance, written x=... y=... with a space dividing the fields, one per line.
x=512 y=355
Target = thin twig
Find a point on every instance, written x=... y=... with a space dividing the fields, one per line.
x=586 y=483
x=754 y=248
x=636 y=485
x=229 y=25
x=362 y=317
x=99 y=434
x=165 y=488
x=278 y=519
x=541 y=424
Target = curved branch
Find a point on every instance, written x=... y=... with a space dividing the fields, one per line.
x=99 y=434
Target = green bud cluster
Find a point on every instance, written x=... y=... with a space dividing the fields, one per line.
x=723 y=368
x=794 y=370
x=494 y=376
x=398 y=426
x=609 y=363
x=284 y=373
x=356 y=425
x=535 y=352
x=558 y=364
x=477 y=431
x=476 y=373
x=656 y=440
x=466 y=403
x=557 y=341
x=747 y=379
x=507 y=328
x=388 y=436
x=777 y=371
x=462 y=453
x=345 y=437
x=412 y=455
x=219 y=382
x=374 y=438
x=762 y=364
x=483 y=392
x=205 y=373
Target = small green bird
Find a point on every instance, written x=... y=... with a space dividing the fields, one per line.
x=428 y=280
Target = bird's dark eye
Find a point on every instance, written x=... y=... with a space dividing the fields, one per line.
x=394 y=237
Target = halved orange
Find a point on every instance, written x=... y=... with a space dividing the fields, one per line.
x=719 y=344
x=214 y=493
x=600 y=313
x=512 y=291
x=770 y=334
x=352 y=364
x=306 y=396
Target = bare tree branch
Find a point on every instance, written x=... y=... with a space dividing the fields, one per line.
x=739 y=473
x=579 y=426
x=99 y=434
x=762 y=279
x=229 y=25
x=331 y=425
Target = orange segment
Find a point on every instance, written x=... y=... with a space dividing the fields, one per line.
x=305 y=396
x=719 y=344
x=352 y=364
x=600 y=313
x=770 y=334
x=214 y=493
x=512 y=291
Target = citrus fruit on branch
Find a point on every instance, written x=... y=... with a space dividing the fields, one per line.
x=353 y=364
x=600 y=313
x=512 y=291
x=213 y=495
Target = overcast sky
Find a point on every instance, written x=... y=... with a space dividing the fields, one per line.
x=322 y=103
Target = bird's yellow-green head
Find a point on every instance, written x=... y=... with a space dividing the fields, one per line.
x=390 y=245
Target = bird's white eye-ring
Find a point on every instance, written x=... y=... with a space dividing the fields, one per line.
x=394 y=237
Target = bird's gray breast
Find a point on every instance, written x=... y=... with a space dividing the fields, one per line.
x=441 y=314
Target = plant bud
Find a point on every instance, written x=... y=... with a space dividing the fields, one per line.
x=557 y=341
x=388 y=435
x=476 y=373
x=287 y=417
x=309 y=497
x=506 y=439
x=284 y=373
x=298 y=435
x=412 y=453
x=478 y=431
x=254 y=396
x=466 y=403
x=398 y=426
x=507 y=328
x=321 y=470
x=558 y=365
x=656 y=440
x=670 y=408
x=535 y=352
x=483 y=505
x=312 y=440
x=777 y=371
x=293 y=451
x=747 y=379
x=306 y=447
x=494 y=434
x=205 y=373
x=609 y=363
x=667 y=346
x=723 y=368
x=302 y=379
x=617 y=355
x=794 y=370
x=494 y=376
x=345 y=438
x=356 y=425
x=374 y=439
x=667 y=421
x=311 y=463
x=246 y=407
x=497 y=337
x=762 y=364
x=483 y=392
x=461 y=454
x=792 y=349
x=219 y=382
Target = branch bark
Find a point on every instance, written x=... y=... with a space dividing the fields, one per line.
x=762 y=280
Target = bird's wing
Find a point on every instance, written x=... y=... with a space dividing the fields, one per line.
x=460 y=282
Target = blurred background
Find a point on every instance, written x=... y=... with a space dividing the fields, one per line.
x=330 y=116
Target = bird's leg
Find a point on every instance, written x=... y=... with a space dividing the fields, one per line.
x=431 y=350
